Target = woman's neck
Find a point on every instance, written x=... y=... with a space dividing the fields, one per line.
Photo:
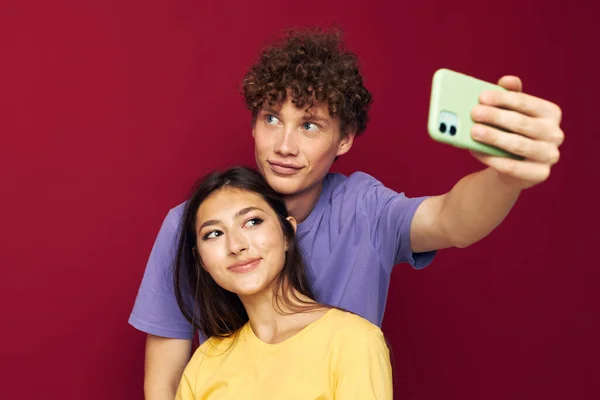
x=275 y=321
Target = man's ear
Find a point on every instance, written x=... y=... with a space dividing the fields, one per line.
x=346 y=142
x=253 y=126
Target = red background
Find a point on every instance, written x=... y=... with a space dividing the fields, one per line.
x=110 y=110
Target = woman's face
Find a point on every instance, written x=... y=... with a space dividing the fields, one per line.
x=240 y=241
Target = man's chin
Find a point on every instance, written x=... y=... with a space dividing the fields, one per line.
x=285 y=186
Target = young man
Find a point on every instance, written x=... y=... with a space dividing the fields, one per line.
x=308 y=103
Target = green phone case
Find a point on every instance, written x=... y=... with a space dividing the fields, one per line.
x=453 y=96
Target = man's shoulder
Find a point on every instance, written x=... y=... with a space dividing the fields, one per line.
x=175 y=214
x=171 y=224
x=351 y=183
x=178 y=209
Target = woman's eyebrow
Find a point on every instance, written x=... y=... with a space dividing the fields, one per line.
x=238 y=214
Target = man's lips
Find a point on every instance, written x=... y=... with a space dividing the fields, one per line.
x=283 y=168
x=244 y=265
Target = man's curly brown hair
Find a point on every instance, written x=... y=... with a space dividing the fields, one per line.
x=309 y=65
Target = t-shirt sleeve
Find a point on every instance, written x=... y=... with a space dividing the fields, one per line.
x=365 y=371
x=391 y=214
x=155 y=310
x=185 y=390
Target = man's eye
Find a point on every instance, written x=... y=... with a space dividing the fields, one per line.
x=271 y=119
x=309 y=126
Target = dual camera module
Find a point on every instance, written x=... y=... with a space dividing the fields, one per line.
x=448 y=123
x=443 y=128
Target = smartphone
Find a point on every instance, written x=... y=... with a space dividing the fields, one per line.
x=453 y=96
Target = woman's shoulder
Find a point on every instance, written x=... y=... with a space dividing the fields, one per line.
x=215 y=346
x=347 y=323
x=346 y=330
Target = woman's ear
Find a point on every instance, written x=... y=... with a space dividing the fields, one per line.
x=196 y=255
x=294 y=225
x=293 y=222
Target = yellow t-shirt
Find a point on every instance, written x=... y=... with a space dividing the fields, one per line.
x=339 y=356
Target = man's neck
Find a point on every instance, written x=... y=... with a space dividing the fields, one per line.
x=300 y=205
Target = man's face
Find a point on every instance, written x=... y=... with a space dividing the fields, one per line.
x=294 y=149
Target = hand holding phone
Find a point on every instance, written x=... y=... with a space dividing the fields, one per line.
x=519 y=134
x=453 y=96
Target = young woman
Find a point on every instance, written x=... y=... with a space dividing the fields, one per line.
x=241 y=282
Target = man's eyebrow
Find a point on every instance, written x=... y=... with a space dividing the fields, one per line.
x=270 y=110
x=306 y=117
x=238 y=214
x=315 y=118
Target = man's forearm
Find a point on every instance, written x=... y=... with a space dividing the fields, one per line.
x=151 y=392
x=164 y=365
x=476 y=205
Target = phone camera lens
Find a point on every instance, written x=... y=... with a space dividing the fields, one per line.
x=453 y=130
x=443 y=127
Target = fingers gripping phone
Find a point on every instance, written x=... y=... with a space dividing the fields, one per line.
x=453 y=96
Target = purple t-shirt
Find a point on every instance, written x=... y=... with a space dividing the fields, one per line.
x=357 y=232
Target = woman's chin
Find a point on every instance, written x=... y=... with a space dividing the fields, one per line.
x=251 y=290
x=248 y=290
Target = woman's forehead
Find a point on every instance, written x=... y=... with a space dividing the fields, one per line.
x=228 y=201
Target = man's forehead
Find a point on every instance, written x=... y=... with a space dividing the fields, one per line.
x=315 y=109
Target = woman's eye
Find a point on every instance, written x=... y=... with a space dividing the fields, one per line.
x=212 y=235
x=253 y=222
x=271 y=119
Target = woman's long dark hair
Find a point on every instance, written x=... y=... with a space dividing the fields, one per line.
x=211 y=309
